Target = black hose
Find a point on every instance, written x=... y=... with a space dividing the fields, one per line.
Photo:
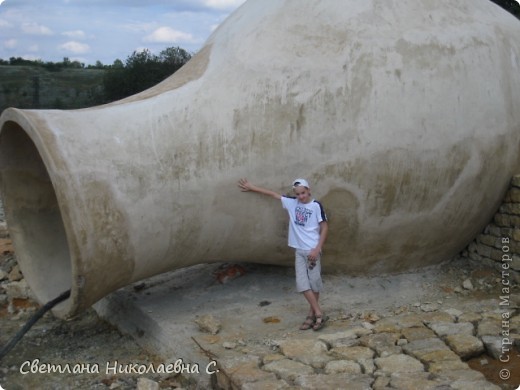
x=41 y=311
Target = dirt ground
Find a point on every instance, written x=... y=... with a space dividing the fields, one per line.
x=89 y=341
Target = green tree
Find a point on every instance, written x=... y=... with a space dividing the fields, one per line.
x=141 y=71
x=118 y=64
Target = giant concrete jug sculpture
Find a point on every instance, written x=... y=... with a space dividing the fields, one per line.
x=403 y=115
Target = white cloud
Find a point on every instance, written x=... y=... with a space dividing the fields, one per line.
x=4 y=23
x=223 y=4
x=139 y=27
x=10 y=43
x=75 y=47
x=76 y=34
x=35 y=29
x=168 y=35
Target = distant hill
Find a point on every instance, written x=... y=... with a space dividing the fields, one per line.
x=36 y=87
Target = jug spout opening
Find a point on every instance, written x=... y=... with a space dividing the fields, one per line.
x=34 y=217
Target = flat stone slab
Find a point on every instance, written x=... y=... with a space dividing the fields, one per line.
x=447 y=328
x=342 y=366
x=336 y=381
x=355 y=353
x=288 y=369
x=266 y=385
x=240 y=370
x=430 y=351
x=413 y=334
x=348 y=337
x=399 y=363
x=414 y=381
x=465 y=345
x=489 y=327
x=384 y=344
x=308 y=351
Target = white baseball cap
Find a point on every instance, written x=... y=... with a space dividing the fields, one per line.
x=300 y=182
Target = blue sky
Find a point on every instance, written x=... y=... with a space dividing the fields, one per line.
x=105 y=30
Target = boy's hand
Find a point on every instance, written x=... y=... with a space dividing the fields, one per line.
x=313 y=254
x=244 y=185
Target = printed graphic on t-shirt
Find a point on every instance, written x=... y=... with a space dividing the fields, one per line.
x=302 y=215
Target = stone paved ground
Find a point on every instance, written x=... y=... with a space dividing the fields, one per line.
x=455 y=340
x=428 y=347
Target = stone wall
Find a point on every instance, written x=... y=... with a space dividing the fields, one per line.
x=499 y=243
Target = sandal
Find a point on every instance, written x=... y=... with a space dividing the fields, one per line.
x=308 y=323
x=320 y=322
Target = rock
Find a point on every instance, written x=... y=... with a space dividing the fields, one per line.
x=342 y=366
x=271 y=384
x=395 y=324
x=445 y=329
x=493 y=345
x=348 y=337
x=229 y=345
x=414 y=381
x=367 y=366
x=437 y=316
x=470 y=316
x=465 y=345
x=430 y=350
x=15 y=275
x=18 y=290
x=209 y=324
x=242 y=369
x=147 y=384
x=454 y=312
x=272 y=358
x=288 y=369
x=3 y=275
x=382 y=343
x=398 y=363
x=489 y=327
x=334 y=381
x=412 y=334
x=355 y=353
x=307 y=351
x=466 y=380
x=401 y=342
x=467 y=284
x=381 y=383
x=371 y=317
x=440 y=366
x=464 y=375
x=428 y=307
x=4 y=230
x=473 y=385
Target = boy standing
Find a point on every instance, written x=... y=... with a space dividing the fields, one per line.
x=307 y=233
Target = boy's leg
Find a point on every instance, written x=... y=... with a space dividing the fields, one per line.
x=312 y=297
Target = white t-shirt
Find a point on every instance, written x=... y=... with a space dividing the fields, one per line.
x=304 y=222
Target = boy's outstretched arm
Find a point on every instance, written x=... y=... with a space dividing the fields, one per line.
x=245 y=185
